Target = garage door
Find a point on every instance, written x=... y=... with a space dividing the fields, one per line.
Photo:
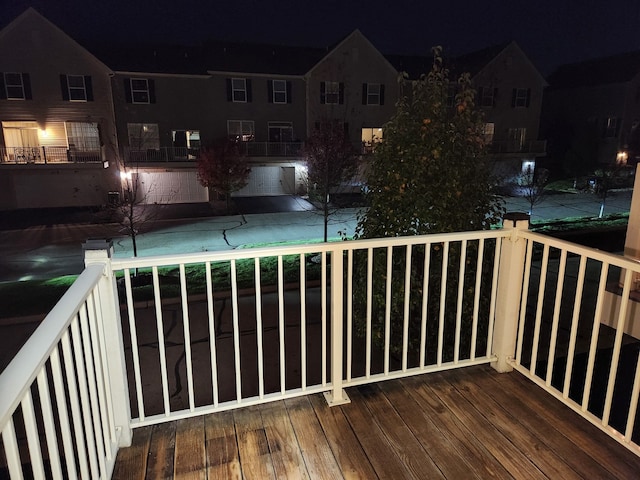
x=171 y=187
x=269 y=180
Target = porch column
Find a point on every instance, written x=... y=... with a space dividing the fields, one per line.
x=509 y=294
x=100 y=251
x=632 y=240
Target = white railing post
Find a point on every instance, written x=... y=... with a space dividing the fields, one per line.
x=509 y=294
x=337 y=395
x=101 y=252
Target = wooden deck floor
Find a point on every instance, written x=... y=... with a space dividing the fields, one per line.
x=470 y=423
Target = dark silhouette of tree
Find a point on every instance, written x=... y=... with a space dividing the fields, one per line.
x=532 y=183
x=222 y=169
x=331 y=162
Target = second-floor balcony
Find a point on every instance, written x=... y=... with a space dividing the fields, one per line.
x=219 y=363
x=184 y=154
x=48 y=154
x=532 y=147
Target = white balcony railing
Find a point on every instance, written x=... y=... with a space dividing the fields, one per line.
x=52 y=154
x=151 y=347
x=538 y=147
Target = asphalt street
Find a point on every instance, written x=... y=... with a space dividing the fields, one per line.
x=54 y=249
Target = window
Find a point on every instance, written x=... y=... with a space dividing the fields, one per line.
x=83 y=136
x=611 y=127
x=520 y=97
x=280 y=131
x=238 y=90
x=76 y=88
x=279 y=91
x=487 y=96
x=140 y=90
x=15 y=86
x=143 y=136
x=370 y=136
x=186 y=138
x=331 y=93
x=372 y=94
x=488 y=131
x=241 y=130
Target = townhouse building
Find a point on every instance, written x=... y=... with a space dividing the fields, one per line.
x=592 y=111
x=146 y=111
x=57 y=118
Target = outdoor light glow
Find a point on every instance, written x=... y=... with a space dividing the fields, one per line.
x=43 y=133
x=125 y=175
x=528 y=165
x=621 y=157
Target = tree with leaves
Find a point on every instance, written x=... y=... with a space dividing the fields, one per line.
x=429 y=175
x=222 y=169
x=331 y=162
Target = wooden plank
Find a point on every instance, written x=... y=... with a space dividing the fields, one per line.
x=131 y=462
x=253 y=447
x=403 y=443
x=346 y=448
x=446 y=456
x=162 y=451
x=285 y=452
x=482 y=383
x=223 y=461
x=190 y=462
x=457 y=433
x=373 y=440
x=444 y=396
x=315 y=449
x=602 y=448
x=534 y=448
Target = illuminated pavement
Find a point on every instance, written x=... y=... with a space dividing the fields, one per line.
x=42 y=252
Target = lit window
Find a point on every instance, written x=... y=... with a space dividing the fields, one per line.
x=611 y=127
x=332 y=92
x=488 y=131
x=76 y=88
x=279 y=91
x=241 y=130
x=83 y=136
x=140 y=90
x=143 y=136
x=370 y=137
x=239 y=89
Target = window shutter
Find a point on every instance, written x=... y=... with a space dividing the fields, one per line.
x=26 y=83
x=229 y=91
x=127 y=90
x=270 y=91
x=364 y=93
x=3 y=90
x=249 y=95
x=341 y=95
x=495 y=95
x=514 y=93
x=88 y=85
x=528 y=97
x=323 y=92
x=152 y=90
x=289 y=98
x=64 y=88
x=381 y=94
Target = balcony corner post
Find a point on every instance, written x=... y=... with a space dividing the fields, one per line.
x=100 y=251
x=509 y=291
x=337 y=395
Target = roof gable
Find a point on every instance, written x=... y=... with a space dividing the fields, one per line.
x=30 y=21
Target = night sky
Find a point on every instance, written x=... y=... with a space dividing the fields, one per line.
x=550 y=32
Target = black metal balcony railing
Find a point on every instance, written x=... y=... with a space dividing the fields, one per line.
x=270 y=149
x=185 y=154
x=62 y=154
x=538 y=147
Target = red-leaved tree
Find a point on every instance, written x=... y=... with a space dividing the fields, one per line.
x=222 y=169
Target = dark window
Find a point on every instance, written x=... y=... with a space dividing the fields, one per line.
x=15 y=86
